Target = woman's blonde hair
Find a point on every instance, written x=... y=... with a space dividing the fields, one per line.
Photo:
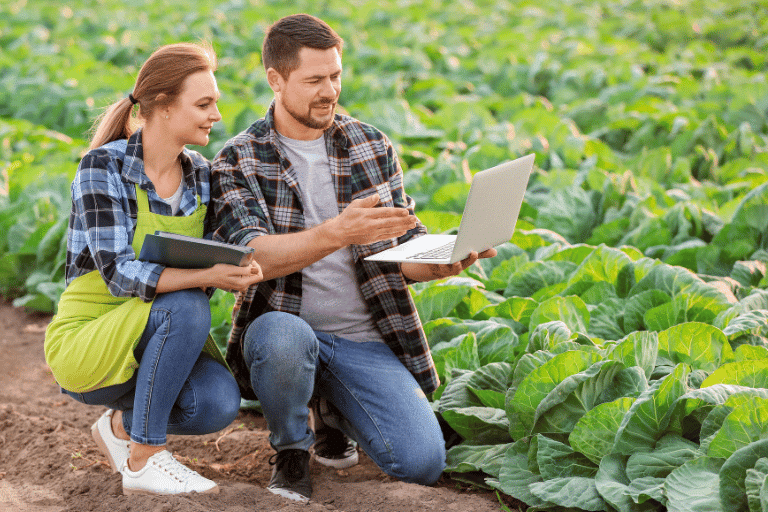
x=159 y=83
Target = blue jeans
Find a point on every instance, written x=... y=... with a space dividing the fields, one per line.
x=384 y=408
x=176 y=389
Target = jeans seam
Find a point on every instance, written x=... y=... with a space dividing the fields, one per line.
x=156 y=357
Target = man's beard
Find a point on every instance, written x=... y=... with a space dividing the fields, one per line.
x=307 y=119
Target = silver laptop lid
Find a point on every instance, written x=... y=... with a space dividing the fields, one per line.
x=493 y=204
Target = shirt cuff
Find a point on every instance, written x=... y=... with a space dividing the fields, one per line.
x=150 y=286
x=243 y=237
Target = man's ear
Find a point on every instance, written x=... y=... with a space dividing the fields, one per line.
x=274 y=79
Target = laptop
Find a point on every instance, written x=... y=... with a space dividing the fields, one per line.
x=489 y=218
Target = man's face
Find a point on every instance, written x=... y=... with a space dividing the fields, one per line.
x=310 y=94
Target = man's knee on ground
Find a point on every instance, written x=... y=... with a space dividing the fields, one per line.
x=423 y=465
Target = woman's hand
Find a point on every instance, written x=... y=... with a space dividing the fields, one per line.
x=235 y=279
x=231 y=278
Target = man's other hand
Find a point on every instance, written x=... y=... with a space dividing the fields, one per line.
x=430 y=271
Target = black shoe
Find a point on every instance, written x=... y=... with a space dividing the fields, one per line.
x=334 y=449
x=290 y=475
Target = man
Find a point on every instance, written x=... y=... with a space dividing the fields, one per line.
x=315 y=192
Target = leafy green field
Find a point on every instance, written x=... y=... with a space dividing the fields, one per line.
x=614 y=355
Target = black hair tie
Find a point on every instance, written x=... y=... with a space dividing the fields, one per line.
x=133 y=100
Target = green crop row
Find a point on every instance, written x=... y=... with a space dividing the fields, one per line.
x=594 y=378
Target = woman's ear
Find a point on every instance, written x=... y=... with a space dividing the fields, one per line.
x=163 y=105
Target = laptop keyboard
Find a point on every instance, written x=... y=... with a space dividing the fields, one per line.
x=442 y=252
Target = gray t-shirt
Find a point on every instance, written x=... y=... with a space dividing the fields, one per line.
x=331 y=298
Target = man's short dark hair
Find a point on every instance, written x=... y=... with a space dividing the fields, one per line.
x=289 y=35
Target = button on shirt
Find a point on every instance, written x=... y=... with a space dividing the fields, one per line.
x=255 y=193
x=103 y=217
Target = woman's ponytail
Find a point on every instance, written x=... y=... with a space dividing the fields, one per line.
x=117 y=122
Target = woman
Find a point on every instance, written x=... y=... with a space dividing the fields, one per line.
x=131 y=335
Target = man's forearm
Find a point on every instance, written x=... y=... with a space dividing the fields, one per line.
x=280 y=255
x=360 y=223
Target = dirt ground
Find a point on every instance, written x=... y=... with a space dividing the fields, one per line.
x=49 y=462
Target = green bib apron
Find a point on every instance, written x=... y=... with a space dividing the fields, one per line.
x=89 y=343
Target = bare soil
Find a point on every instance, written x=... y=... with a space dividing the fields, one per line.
x=49 y=462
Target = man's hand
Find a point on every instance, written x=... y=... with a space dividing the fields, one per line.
x=363 y=223
x=430 y=271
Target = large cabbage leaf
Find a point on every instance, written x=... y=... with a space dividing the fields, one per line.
x=695 y=486
x=521 y=409
x=671 y=452
x=577 y=394
x=464 y=458
x=745 y=424
x=700 y=346
x=733 y=490
x=556 y=459
x=751 y=373
x=639 y=348
x=647 y=419
x=574 y=492
x=613 y=485
x=571 y=310
x=519 y=471
x=594 y=433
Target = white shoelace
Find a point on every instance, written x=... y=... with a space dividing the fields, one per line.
x=168 y=464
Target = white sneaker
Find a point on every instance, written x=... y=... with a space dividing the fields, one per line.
x=117 y=450
x=163 y=474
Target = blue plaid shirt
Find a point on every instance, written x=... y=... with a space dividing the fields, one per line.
x=103 y=217
x=256 y=193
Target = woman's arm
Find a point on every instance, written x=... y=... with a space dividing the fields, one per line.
x=225 y=277
x=103 y=229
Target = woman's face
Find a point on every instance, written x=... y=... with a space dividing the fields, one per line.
x=192 y=115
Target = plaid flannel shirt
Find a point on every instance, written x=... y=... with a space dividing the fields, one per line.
x=255 y=193
x=103 y=217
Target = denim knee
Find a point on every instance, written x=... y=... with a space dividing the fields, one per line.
x=421 y=466
x=190 y=306
x=220 y=404
x=280 y=338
